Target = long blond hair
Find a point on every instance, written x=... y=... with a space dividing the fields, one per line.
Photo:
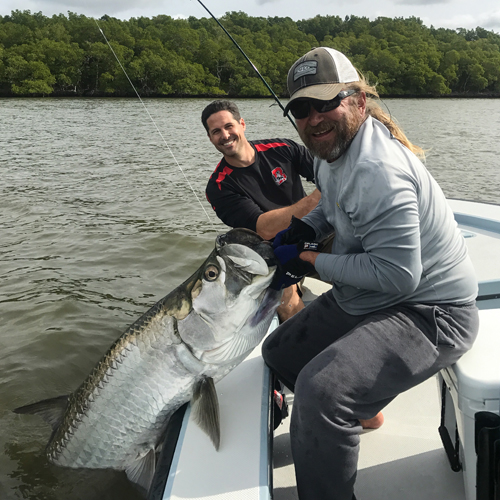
x=374 y=109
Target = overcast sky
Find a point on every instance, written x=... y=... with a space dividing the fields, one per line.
x=438 y=13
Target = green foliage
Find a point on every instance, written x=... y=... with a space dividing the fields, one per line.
x=29 y=77
x=68 y=55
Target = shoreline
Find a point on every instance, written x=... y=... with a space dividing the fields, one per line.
x=61 y=95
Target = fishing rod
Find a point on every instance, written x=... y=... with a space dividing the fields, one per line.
x=156 y=126
x=251 y=64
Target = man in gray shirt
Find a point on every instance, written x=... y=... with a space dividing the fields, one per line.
x=402 y=305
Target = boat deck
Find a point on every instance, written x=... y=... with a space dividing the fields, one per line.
x=480 y=224
x=402 y=459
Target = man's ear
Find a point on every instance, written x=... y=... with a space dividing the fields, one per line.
x=362 y=102
x=242 y=122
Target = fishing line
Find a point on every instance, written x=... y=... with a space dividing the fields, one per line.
x=251 y=64
x=156 y=126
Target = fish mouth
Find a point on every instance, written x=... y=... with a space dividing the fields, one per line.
x=234 y=313
x=250 y=239
x=252 y=326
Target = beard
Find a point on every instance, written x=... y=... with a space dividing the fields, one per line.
x=345 y=128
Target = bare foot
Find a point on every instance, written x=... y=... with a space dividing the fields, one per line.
x=291 y=303
x=373 y=423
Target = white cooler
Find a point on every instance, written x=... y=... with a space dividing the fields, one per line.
x=470 y=393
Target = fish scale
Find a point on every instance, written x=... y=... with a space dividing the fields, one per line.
x=171 y=355
x=133 y=407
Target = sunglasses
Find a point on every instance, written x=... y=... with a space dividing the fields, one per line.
x=301 y=108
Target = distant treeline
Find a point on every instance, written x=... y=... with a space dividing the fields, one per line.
x=67 y=55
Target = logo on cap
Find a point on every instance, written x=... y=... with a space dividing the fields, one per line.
x=305 y=68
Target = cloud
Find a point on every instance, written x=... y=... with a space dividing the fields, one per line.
x=488 y=21
x=421 y=2
x=95 y=7
x=491 y=21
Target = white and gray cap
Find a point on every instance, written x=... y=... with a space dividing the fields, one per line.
x=320 y=74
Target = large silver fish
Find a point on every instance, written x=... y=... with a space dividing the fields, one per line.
x=173 y=354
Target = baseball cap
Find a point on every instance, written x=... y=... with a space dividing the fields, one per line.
x=320 y=74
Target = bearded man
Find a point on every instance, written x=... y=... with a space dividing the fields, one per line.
x=402 y=305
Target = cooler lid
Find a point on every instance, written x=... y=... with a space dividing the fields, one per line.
x=478 y=371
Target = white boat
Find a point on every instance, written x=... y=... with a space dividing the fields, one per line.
x=405 y=458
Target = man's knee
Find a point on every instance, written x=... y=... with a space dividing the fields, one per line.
x=271 y=352
x=278 y=360
x=312 y=391
x=267 y=352
x=327 y=384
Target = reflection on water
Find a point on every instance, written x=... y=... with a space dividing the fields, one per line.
x=33 y=471
x=39 y=480
x=97 y=224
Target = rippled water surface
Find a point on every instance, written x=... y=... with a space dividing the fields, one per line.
x=97 y=223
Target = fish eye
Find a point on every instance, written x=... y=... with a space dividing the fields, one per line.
x=211 y=273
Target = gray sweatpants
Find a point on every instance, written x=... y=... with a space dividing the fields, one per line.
x=343 y=368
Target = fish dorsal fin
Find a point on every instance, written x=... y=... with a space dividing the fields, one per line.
x=142 y=470
x=205 y=409
x=51 y=410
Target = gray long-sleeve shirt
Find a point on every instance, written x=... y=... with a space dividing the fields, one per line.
x=396 y=239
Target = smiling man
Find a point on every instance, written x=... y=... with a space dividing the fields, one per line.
x=257 y=184
x=402 y=306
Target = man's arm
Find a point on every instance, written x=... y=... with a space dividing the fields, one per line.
x=270 y=223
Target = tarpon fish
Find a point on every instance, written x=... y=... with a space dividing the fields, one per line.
x=173 y=354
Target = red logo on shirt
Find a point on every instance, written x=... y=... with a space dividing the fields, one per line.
x=279 y=176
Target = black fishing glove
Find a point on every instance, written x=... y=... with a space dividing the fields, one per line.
x=291 y=268
x=296 y=232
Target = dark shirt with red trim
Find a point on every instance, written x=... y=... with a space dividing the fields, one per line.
x=240 y=195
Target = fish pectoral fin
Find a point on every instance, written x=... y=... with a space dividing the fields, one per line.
x=141 y=471
x=51 y=410
x=205 y=409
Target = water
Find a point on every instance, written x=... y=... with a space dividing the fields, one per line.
x=97 y=223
